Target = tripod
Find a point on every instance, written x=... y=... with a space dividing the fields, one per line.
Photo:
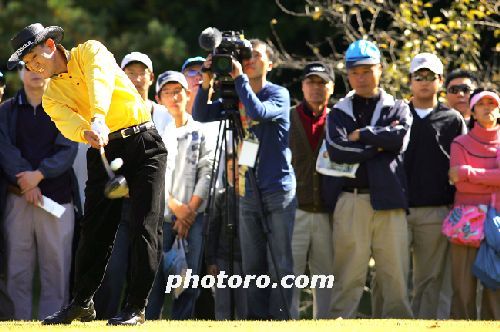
x=233 y=125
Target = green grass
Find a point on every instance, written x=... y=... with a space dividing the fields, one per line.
x=339 y=325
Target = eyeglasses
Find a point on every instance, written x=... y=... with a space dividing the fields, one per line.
x=426 y=78
x=170 y=93
x=454 y=89
x=192 y=73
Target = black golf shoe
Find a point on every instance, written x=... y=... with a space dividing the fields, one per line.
x=71 y=312
x=130 y=315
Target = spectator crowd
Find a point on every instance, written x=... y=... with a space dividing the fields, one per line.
x=239 y=188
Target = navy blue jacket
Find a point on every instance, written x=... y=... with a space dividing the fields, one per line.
x=427 y=159
x=380 y=146
x=12 y=161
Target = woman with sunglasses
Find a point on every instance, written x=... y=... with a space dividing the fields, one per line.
x=475 y=171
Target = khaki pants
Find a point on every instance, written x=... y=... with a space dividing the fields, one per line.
x=33 y=235
x=359 y=232
x=463 y=305
x=312 y=246
x=430 y=253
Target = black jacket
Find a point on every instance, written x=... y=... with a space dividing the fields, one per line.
x=380 y=146
x=427 y=158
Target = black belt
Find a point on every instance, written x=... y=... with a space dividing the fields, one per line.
x=356 y=190
x=127 y=132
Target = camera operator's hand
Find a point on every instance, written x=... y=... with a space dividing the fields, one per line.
x=237 y=69
x=206 y=74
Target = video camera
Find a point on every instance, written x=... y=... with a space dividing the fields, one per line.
x=225 y=46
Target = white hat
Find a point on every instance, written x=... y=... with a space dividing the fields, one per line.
x=137 y=57
x=426 y=61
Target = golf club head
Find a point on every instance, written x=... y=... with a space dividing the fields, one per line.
x=117 y=187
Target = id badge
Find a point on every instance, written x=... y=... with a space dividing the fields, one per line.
x=248 y=154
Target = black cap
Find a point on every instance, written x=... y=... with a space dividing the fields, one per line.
x=319 y=69
x=28 y=38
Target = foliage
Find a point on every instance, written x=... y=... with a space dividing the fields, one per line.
x=121 y=25
x=464 y=33
x=460 y=32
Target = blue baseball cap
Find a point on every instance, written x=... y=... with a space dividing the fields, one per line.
x=169 y=77
x=362 y=52
x=197 y=60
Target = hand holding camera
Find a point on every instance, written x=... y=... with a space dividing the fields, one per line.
x=237 y=69
x=206 y=73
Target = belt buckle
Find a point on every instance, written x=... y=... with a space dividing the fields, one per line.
x=135 y=130
x=123 y=133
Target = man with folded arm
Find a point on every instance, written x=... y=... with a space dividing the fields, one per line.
x=370 y=128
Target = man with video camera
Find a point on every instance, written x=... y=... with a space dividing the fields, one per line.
x=264 y=113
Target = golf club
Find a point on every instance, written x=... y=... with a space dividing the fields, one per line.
x=117 y=186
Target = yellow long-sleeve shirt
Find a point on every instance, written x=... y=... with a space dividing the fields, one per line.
x=93 y=86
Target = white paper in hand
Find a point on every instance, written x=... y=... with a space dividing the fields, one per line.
x=327 y=167
x=52 y=207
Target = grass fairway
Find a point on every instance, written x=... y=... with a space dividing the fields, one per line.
x=372 y=325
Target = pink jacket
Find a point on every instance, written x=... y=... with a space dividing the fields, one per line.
x=478 y=155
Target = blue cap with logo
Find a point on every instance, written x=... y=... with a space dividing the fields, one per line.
x=197 y=60
x=170 y=76
x=362 y=52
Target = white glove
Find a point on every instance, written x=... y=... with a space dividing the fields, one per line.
x=99 y=126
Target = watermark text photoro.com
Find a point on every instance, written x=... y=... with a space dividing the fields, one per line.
x=222 y=280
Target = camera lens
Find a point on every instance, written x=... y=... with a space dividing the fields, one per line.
x=222 y=64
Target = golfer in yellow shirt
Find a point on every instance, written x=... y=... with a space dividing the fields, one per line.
x=91 y=100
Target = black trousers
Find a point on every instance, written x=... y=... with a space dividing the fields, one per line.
x=144 y=156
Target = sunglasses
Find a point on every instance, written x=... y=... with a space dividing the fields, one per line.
x=192 y=73
x=454 y=89
x=426 y=78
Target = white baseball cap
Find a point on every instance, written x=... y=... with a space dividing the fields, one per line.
x=426 y=61
x=137 y=57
